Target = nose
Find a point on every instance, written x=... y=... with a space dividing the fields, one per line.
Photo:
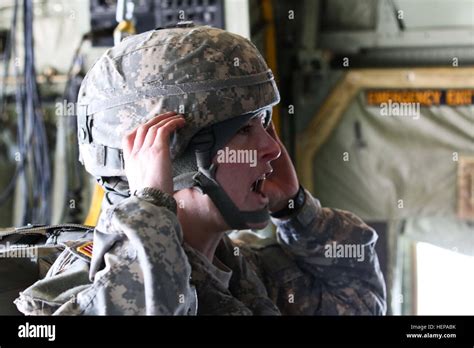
x=269 y=148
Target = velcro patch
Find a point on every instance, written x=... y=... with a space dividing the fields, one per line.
x=86 y=249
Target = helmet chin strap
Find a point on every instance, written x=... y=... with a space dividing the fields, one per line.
x=235 y=218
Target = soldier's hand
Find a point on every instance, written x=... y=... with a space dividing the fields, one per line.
x=147 y=153
x=283 y=183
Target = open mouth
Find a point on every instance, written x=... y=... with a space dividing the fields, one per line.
x=257 y=185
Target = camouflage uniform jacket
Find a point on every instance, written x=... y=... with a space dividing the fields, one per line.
x=140 y=265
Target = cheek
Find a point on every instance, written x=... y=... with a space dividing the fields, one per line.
x=234 y=179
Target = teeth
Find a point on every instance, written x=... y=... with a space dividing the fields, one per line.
x=257 y=185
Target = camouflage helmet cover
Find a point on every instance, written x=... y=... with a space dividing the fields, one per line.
x=205 y=73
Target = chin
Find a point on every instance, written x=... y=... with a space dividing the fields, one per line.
x=259 y=226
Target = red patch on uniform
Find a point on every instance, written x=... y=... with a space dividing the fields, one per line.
x=86 y=249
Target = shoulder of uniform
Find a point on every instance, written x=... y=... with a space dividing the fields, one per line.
x=271 y=258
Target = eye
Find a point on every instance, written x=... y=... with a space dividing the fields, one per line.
x=245 y=129
x=266 y=119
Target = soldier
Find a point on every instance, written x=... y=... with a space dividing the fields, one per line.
x=172 y=192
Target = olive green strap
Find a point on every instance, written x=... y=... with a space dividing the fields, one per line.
x=40 y=229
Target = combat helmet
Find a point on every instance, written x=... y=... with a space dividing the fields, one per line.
x=216 y=79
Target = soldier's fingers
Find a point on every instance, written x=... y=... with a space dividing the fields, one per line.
x=163 y=133
x=127 y=143
x=142 y=130
x=152 y=131
x=159 y=118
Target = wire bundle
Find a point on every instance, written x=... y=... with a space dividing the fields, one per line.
x=34 y=166
x=40 y=163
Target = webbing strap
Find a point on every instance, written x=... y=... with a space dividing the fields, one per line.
x=157 y=89
x=41 y=229
x=235 y=218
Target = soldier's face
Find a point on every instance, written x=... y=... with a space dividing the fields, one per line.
x=243 y=163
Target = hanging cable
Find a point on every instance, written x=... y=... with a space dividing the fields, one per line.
x=33 y=171
x=10 y=52
x=40 y=165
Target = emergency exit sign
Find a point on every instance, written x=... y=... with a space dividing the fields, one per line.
x=425 y=97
